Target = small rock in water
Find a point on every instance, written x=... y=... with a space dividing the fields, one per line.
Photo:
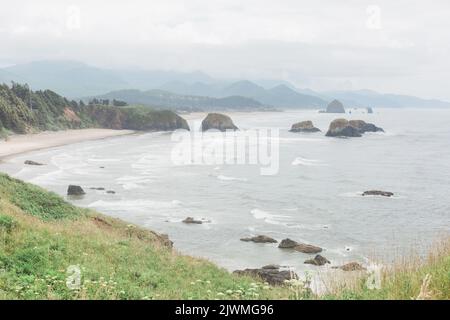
x=287 y=244
x=304 y=126
x=191 y=220
x=378 y=193
x=318 y=260
x=99 y=188
x=271 y=274
x=219 y=122
x=74 y=190
x=352 y=266
x=111 y=192
x=301 y=247
x=33 y=163
x=260 y=239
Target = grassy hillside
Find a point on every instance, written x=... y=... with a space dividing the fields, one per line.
x=41 y=236
x=24 y=111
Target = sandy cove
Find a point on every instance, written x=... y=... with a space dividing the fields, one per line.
x=18 y=144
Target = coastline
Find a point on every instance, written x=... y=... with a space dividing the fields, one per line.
x=19 y=144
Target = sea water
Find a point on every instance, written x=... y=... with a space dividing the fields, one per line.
x=314 y=197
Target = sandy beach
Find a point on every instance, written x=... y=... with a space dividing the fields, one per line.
x=18 y=144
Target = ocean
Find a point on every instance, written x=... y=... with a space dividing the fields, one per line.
x=314 y=195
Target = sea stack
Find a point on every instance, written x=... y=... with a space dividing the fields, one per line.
x=219 y=122
x=342 y=128
x=304 y=126
x=335 y=106
x=364 y=127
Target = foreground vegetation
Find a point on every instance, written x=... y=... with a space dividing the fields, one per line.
x=45 y=241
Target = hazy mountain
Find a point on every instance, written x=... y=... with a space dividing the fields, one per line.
x=75 y=79
x=65 y=77
x=280 y=96
x=164 y=99
x=193 y=89
x=369 y=98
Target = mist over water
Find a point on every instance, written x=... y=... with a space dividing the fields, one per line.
x=315 y=197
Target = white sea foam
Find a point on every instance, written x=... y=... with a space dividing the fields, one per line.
x=226 y=178
x=300 y=161
x=133 y=205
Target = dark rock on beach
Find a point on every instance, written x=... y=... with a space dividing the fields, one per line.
x=33 y=163
x=342 y=128
x=304 y=126
x=378 y=193
x=74 y=190
x=318 y=260
x=219 y=122
x=270 y=274
x=301 y=247
x=260 y=239
x=352 y=266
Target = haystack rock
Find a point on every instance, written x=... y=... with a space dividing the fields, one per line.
x=342 y=128
x=219 y=122
x=304 y=126
x=335 y=106
x=369 y=110
x=364 y=127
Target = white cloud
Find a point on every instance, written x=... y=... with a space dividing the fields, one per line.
x=320 y=43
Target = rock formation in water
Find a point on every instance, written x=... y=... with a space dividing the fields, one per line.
x=318 y=260
x=33 y=163
x=74 y=190
x=335 y=106
x=271 y=274
x=369 y=110
x=301 y=247
x=260 y=239
x=191 y=220
x=364 y=127
x=219 y=122
x=342 y=128
x=352 y=266
x=378 y=193
x=304 y=126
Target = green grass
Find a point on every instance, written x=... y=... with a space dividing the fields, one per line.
x=42 y=238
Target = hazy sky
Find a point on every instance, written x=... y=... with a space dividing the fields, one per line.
x=400 y=46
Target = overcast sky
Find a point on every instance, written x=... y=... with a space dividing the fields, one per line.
x=400 y=46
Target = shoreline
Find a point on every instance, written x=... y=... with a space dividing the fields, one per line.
x=19 y=144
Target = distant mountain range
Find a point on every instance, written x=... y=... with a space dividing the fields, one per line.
x=191 y=90
x=168 y=100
